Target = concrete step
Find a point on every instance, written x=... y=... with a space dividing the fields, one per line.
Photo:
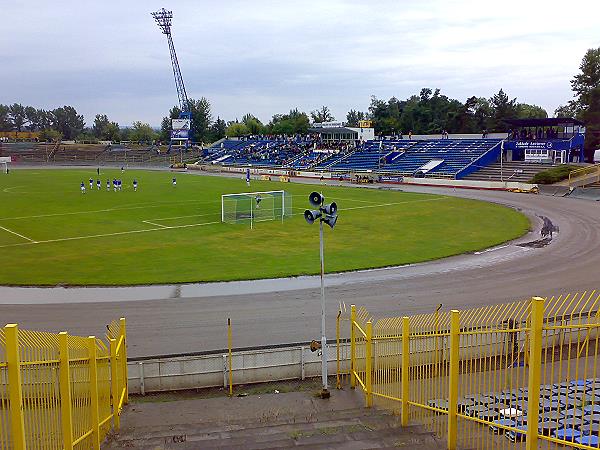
x=233 y=425
x=251 y=428
x=330 y=438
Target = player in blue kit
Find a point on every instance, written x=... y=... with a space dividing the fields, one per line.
x=82 y=187
x=91 y=184
x=134 y=185
x=107 y=185
x=98 y=184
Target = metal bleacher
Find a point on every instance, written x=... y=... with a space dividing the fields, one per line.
x=437 y=157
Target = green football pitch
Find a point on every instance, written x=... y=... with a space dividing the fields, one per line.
x=51 y=233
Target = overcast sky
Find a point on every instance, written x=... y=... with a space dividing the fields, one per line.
x=266 y=57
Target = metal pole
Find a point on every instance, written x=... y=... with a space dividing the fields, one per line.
x=325 y=392
x=501 y=158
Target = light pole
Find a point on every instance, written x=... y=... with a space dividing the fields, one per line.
x=327 y=214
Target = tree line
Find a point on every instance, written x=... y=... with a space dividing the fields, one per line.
x=429 y=112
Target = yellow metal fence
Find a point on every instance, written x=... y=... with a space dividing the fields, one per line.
x=517 y=375
x=59 y=391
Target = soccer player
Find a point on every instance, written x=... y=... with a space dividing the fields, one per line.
x=91 y=184
x=98 y=184
x=174 y=182
x=107 y=185
x=134 y=185
x=82 y=187
x=115 y=184
x=248 y=177
x=258 y=200
x=119 y=184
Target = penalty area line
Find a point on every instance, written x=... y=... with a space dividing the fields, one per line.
x=119 y=233
x=20 y=235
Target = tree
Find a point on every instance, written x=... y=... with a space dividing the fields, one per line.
x=353 y=117
x=104 y=129
x=17 y=115
x=5 y=122
x=50 y=135
x=67 y=121
x=503 y=108
x=526 y=111
x=591 y=117
x=218 y=130
x=291 y=123
x=565 y=111
x=253 y=124
x=322 y=115
x=237 y=129
x=586 y=81
x=101 y=122
x=142 y=132
x=585 y=106
x=201 y=120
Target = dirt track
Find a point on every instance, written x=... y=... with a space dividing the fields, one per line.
x=172 y=319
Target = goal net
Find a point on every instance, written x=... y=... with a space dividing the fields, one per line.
x=256 y=206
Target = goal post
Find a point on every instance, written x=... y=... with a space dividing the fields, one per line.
x=255 y=207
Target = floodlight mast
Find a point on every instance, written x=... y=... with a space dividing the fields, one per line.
x=163 y=19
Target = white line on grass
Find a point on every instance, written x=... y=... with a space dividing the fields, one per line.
x=384 y=204
x=155 y=224
x=20 y=235
x=163 y=227
x=119 y=233
x=151 y=205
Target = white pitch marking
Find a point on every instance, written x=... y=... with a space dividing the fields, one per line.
x=119 y=233
x=184 y=217
x=20 y=235
x=151 y=205
x=155 y=224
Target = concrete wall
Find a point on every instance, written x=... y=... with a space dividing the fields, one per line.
x=252 y=366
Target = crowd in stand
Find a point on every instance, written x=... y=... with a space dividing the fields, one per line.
x=532 y=134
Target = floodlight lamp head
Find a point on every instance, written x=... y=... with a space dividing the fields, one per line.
x=311 y=215
x=316 y=199
x=330 y=219
x=163 y=20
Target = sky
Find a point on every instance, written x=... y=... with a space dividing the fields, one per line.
x=266 y=57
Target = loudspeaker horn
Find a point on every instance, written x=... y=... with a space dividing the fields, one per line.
x=316 y=199
x=311 y=215
x=331 y=208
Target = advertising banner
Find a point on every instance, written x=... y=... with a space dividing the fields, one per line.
x=180 y=124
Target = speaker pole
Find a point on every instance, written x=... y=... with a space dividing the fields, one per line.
x=325 y=391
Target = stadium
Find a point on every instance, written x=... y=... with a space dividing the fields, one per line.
x=349 y=285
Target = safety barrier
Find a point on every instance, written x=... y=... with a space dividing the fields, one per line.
x=587 y=172
x=526 y=371
x=59 y=391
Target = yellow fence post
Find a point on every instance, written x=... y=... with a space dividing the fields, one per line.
x=123 y=330
x=405 y=368
x=114 y=383
x=65 y=391
x=352 y=347
x=15 y=393
x=368 y=364
x=453 y=381
x=535 y=371
x=230 y=361
x=94 y=397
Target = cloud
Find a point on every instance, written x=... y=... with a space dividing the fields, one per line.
x=266 y=57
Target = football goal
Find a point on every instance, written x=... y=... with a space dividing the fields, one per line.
x=255 y=207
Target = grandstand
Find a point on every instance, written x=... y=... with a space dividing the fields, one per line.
x=453 y=158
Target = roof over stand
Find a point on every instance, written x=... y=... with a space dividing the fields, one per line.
x=549 y=122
